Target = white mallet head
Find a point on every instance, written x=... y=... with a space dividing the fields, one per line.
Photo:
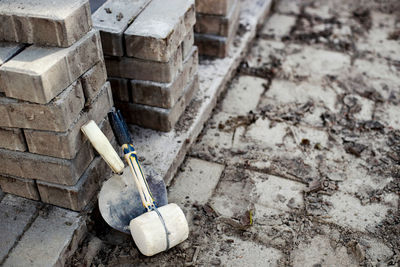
x=152 y=236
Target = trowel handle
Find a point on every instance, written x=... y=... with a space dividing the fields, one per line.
x=138 y=176
x=124 y=139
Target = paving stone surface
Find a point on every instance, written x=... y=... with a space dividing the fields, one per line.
x=306 y=142
x=197 y=183
x=16 y=213
x=49 y=240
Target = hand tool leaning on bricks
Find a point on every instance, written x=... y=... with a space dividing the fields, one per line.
x=126 y=201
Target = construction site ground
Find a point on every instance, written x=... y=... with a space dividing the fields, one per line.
x=299 y=163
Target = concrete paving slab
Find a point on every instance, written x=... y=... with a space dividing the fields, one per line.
x=316 y=63
x=51 y=238
x=247 y=253
x=244 y=95
x=15 y=215
x=196 y=183
x=278 y=26
x=347 y=210
x=214 y=143
x=318 y=251
x=213 y=76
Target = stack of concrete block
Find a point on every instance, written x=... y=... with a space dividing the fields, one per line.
x=49 y=90
x=150 y=58
x=216 y=24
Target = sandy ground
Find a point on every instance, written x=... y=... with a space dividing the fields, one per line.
x=299 y=164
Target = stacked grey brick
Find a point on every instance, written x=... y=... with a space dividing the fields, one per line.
x=216 y=24
x=150 y=58
x=52 y=81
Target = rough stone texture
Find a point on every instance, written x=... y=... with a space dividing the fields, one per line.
x=48 y=22
x=120 y=89
x=50 y=240
x=214 y=7
x=139 y=69
x=19 y=186
x=38 y=74
x=158 y=118
x=56 y=116
x=15 y=213
x=112 y=19
x=158 y=31
x=12 y=139
x=93 y=80
x=196 y=182
x=218 y=25
x=55 y=170
x=67 y=144
x=76 y=197
x=161 y=94
x=187 y=44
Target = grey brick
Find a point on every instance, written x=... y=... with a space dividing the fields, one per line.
x=165 y=95
x=19 y=186
x=93 y=80
x=12 y=139
x=7 y=51
x=214 y=7
x=67 y=144
x=112 y=25
x=38 y=74
x=15 y=214
x=76 y=197
x=212 y=45
x=158 y=118
x=119 y=87
x=56 y=116
x=187 y=44
x=159 y=29
x=50 y=169
x=45 y=22
x=218 y=25
x=139 y=69
x=51 y=239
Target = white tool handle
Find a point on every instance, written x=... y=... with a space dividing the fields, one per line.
x=103 y=146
